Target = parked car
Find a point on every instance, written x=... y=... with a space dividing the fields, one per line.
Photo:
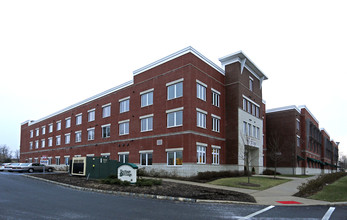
x=8 y=166
x=2 y=167
x=31 y=167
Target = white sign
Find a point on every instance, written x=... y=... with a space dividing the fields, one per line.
x=127 y=173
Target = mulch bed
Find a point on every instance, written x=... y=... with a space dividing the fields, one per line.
x=166 y=189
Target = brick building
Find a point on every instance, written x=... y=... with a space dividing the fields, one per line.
x=304 y=147
x=181 y=114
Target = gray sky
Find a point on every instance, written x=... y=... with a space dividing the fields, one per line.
x=56 y=53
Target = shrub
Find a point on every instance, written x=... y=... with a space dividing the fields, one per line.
x=148 y=182
x=270 y=172
x=312 y=186
x=112 y=176
x=213 y=175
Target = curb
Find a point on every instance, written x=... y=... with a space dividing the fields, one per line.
x=180 y=199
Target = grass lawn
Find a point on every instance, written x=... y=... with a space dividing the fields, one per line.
x=264 y=182
x=335 y=192
x=297 y=176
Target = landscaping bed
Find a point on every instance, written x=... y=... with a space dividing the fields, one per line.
x=165 y=189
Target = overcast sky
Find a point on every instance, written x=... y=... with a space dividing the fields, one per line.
x=56 y=53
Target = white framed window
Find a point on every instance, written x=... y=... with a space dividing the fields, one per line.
x=67 y=122
x=37 y=131
x=123 y=157
x=146 y=157
x=249 y=130
x=257 y=111
x=297 y=140
x=66 y=160
x=43 y=143
x=58 y=140
x=201 y=153
x=215 y=98
x=50 y=128
x=124 y=127
x=124 y=105
x=30 y=160
x=245 y=128
x=174 y=117
x=50 y=142
x=174 y=157
x=67 y=138
x=253 y=110
x=49 y=160
x=31 y=145
x=251 y=83
x=201 y=90
x=201 y=118
x=258 y=133
x=249 y=107
x=79 y=119
x=31 y=133
x=58 y=125
x=43 y=129
x=36 y=144
x=175 y=89
x=57 y=160
x=147 y=98
x=244 y=105
x=215 y=155
x=106 y=110
x=106 y=131
x=78 y=136
x=91 y=115
x=91 y=134
x=297 y=124
x=146 y=123
x=215 y=123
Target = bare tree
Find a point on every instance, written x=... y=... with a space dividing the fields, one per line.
x=17 y=155
x=343 y=162
x=245 y=154
x=274 y=147
x=5 y=154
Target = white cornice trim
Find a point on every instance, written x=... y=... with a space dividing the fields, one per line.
x=178 y=54
x=285 y=108
x=114 y=89
x=305 y=107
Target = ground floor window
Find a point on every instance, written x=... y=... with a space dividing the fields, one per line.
x=201 y=154
x=123 y=158
x=30 y=160
x=49 y=160
x=67 y=161
x=146 y=159
x=36 y=160
x=57 y=160
x=174 y=158
x=215 y=155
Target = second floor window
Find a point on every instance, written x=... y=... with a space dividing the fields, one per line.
x=79 y=119
x=50 y=142
x=91 y=134
x=201 y=119
x=58 y=140
x=201 y=91
x=91 y=115
x=174 y=90
x=78 y=137
x=215 y=97
x=147 y=99
x=124 y=127
x=146 y=123
x=106 y=111
x=215 y=123
x=50 y=128
x=67 y=138
x=58 y=125
x=67 y=122
x=124 y=105
x=106 y=131
x=174 y=118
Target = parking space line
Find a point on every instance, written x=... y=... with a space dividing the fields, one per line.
x=257 y=213
x=328 y=213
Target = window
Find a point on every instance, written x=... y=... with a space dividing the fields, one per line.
x=174 y=158
x=124 y=105
x=201 y=154
x=124 y=127
x=50 y=128
x=30 y=160
x=37 y=130
x=249 y=107
x=249 y=129
x=251 y=83
x=146 y=158
x=201 y=90
x=174 y=117
x=57 y=160
x=244 y=105
x=91 y=115
x=201 y=118
x=43 y=142
x=58 y=140
x=78 y=119
x=215 y=155
x=298 y=141
x=245 y=128
x=49 y=160
x=123 y=157
x=147 y=98
x=67 y=138
x=43 y=129
x=58 y=125
x=297 y=124
x=215 y=123
x=66 y=160
x=67 y=122
x=146 y=123
x=36 y=160
x=106 y=110
x=258 y=133
x=91 y=134
x=78 y=136
x=175 y=89
x=257 y=111
x=253 y=110
x=50 y=142
x=36 y=144
x=105 y=131
x=30 y=145
x=215 y=97
x=31 y=133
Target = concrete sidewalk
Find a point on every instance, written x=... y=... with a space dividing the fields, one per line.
x=272 y=196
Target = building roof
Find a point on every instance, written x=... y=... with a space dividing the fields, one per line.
x=245 y=62
x=178 y=54
x=285 y=108
x=305 y=107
